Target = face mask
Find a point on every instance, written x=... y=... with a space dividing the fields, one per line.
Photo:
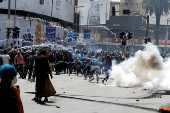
x=14 y=81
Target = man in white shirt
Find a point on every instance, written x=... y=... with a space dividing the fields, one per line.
x=6 y=58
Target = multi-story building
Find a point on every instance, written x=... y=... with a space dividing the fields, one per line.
x=33 y=17
x=107 y=37
x=107 y=31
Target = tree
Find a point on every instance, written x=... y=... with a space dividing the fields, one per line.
x=159 y=8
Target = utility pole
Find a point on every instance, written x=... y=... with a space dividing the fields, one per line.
x=15 y=21
x=147 y=19
x=15 y=14
x=52 y=11
x=126 y=37
x=8 y=29
x=166 y=38
x=133 y=38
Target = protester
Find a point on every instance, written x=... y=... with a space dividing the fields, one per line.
x=12 y=56
x=107 y=67
x=18 y=60
x=51 y=60
x=26 y=60
x=10 y=101
x=1 y=60
x=57 y=66
x=42 y=70
x=31 y=64
x=6 y=58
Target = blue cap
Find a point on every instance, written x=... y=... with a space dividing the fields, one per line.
x=7 y=72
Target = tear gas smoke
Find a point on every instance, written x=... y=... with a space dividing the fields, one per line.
x=145 y=69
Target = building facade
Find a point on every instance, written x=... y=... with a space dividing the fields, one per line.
x=107 y=35
x=33 y=17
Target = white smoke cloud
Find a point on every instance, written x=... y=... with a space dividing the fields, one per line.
x=146 y=69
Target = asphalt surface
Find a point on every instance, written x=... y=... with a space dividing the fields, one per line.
x=75 y=95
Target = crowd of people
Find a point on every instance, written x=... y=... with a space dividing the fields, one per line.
x=39 y=66
x=81 y=62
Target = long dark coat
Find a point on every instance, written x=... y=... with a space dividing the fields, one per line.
x=42 y=70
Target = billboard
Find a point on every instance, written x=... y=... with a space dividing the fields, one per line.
x=37 y=40
x=72 y=38
x=62 y=9
x=50 y=34
x=87 y=33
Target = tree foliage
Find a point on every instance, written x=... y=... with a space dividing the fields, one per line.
x=157 y=7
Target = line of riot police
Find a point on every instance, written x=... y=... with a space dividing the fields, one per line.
x=85 y=63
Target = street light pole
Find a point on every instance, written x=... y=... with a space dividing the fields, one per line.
x=88 y=13
x=106 y=11
x=88 y=16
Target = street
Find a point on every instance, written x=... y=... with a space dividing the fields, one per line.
x=75 y=95
x=128 y=41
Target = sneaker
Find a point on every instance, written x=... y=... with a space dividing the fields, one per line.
x=85 y=79
x=91 y=79
x=105 y=83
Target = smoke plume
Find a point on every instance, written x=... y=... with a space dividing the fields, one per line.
x=145 y=69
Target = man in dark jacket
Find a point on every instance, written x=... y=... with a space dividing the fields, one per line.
x=57 y=67
x=107 y=67
x=26 y=60
x=31 y=64
x=51 y=60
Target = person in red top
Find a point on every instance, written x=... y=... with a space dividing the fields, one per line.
x=18 y=61
x=47 y=55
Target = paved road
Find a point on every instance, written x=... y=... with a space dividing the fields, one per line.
x=75 y=95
